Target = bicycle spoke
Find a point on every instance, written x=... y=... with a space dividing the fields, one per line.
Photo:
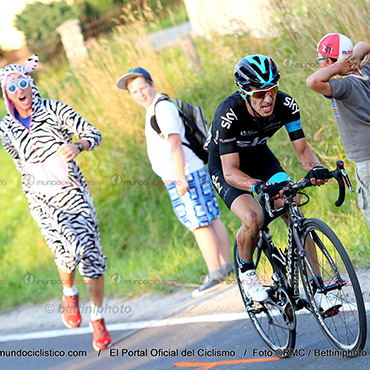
x=266 y=317
x=337 y=303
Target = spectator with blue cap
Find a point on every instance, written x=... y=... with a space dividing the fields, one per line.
x=184 y=175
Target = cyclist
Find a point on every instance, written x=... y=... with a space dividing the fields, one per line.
x=241 y=163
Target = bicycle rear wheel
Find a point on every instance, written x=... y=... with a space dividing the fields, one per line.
x=273 y=319
x=336 y=298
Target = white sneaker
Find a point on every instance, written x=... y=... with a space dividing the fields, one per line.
x=328 y=303
x=252 y=286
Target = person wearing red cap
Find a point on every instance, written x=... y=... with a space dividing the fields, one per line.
x=344 y=79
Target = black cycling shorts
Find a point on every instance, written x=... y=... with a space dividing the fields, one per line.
x=259 y=163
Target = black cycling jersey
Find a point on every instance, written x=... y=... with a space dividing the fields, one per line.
x=235 y=130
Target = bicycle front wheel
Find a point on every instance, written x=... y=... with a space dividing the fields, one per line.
x=273 y=319
x=334 y=293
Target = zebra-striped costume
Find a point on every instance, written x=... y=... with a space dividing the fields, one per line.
x=56 y=190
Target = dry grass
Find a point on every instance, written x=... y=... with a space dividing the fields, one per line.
x=140 y=234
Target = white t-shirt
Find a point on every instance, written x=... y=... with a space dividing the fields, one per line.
x=159 y=149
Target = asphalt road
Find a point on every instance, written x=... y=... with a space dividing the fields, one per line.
x=212 y=345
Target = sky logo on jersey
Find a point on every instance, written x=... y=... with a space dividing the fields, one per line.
x=228 y=120
x=256 y=141
x=290 y=102
x=216 y=184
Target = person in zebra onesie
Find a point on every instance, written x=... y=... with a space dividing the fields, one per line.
x=37 y=134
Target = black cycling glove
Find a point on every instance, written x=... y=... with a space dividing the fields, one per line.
x=317 y=173
x=272 y=189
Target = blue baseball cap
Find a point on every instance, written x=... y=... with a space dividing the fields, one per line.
x=136 y=72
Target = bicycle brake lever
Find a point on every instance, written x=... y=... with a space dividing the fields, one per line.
x=341 y=176
x=268 y=205
x=347 y=180
x=306 y=183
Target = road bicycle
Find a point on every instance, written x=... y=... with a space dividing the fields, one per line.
x=314 y=252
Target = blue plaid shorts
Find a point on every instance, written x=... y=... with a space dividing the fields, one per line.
x=198 y=207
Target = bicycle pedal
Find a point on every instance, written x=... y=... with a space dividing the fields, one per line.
x=333 y=311
x=302 y=303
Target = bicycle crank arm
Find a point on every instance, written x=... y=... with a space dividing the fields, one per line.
x=289 y=324
x=303 y=303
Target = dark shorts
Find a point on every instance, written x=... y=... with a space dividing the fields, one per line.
x=261 y=164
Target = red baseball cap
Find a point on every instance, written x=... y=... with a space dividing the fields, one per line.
x=335 y=45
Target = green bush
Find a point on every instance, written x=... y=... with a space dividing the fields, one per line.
x=39 y=21
x=100 y=7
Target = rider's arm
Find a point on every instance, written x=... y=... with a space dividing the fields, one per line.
x=306 y=157
x=233 y=175
x=317 y=174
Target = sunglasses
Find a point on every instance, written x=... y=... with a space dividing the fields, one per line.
x=22 y=83
x=318 y=60
x=260 y=94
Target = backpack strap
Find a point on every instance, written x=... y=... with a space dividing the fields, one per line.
x=154 y=123
x=153 y=118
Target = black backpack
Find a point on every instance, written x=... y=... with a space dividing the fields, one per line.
x=195 y=125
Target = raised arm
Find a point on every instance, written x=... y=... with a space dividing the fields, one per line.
x=319 y=81
x=360 y=50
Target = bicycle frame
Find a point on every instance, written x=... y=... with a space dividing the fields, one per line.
x=286 y=267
